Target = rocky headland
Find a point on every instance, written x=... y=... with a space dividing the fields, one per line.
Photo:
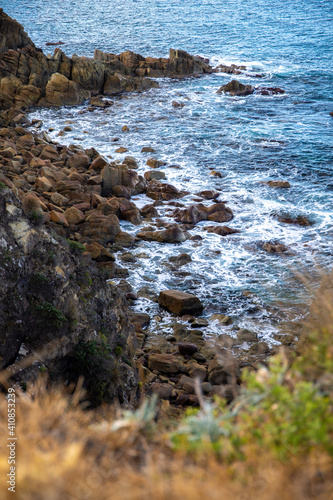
x=61 y=240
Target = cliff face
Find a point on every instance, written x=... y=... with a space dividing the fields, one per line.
x=12 y=34
x=58 y=304
x=28 y=77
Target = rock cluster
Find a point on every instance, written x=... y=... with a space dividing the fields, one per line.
x=30 y=78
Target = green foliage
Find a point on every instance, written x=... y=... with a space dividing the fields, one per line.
x=94 y=361
x=36 y=217
x=75 y=246
x=38 y=279
x=279 y=411
x=118 y=350
x=49 y=314
x=2 y=186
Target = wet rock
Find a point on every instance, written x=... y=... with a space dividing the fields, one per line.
x=162 y=191
x=278 y=184
x=235 y=88
x=269 y=91
x=245 y=335
x=148 y=293
x=121 y=150
x=185 y=348
x=180 y=302
x=274 y=247
x=232 y=69
x=163 y=363
x=209 y=194
x=176 y=104
x=181 y=260
x=221 y=318
x=154 y=174
x=147 y=149
x=299 y=220
x=198 y=356
x=131 y=162
x=149 y=211
x=199 y=212
x=199 y=323
x=221 y=230
x=155 y=163
x=143 y=319
x=124 y=239
x=171 y=235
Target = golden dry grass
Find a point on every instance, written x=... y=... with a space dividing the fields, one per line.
x=65 y=453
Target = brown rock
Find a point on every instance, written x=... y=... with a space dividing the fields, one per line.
x=171 y=235
x=58 y=218
x=278 y=184
x=163 y=363
x=221 y=230
x=74 y=216
x=185 y=348
x=43 y=184
x=79 y=161
x=164 y=391
x=235 y=88
x=154 y=174
x=155 y=163
x=98 y=164
x=217 y=372
x=179 y=302
x=99 y=253
x=274 y=247
x=62 y=92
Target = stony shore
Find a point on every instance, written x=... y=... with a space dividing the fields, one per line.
x=73 y=200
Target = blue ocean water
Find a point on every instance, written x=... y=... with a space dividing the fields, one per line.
x=248 y=140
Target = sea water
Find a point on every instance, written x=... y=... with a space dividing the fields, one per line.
x=248 y=140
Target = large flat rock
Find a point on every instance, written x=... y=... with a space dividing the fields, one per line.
x=180 y=302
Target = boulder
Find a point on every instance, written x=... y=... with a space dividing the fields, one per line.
x=278 y=184
x=199 y=212
x=180 y=302
x=100 y=228
x=171 y=235
x=186 y=348
x=221 y=230
x=162 y=191
x=163 y=363
x=62 y=92
x=235 y=88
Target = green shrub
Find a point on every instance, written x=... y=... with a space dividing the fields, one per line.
x=75 y=246
x=278 y=412
x=46 y=312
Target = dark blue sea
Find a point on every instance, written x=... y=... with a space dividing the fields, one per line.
x=249 y=140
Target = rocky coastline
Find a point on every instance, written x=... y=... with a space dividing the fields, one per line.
x=61 y=240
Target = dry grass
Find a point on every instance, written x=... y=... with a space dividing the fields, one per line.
x=65 y=453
